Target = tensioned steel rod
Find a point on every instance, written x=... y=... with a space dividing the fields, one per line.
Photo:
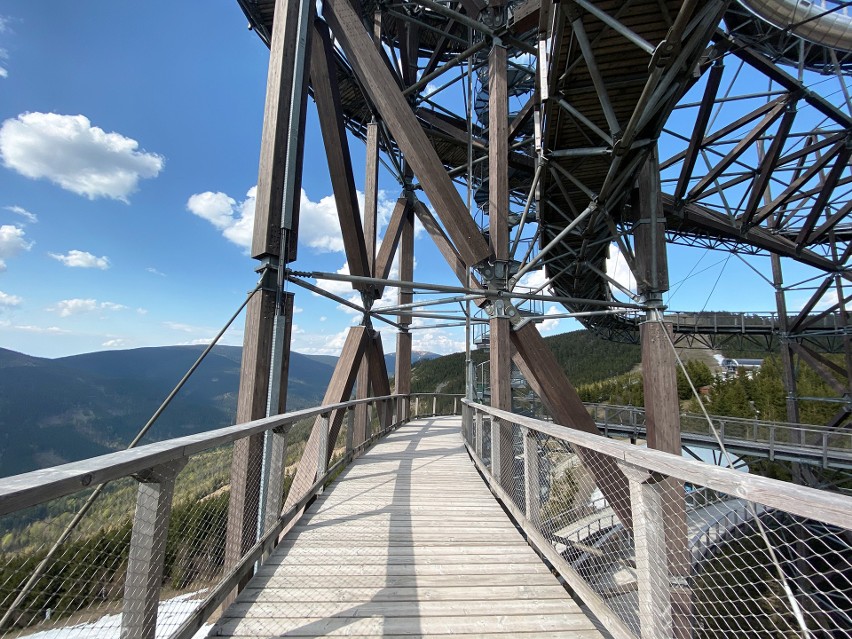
x=597 y=79
x=478 y=292
x=87 y=505
x=316 y=289
x=556 y=240
x=611 y=22
x=538 y=169
x=421 y=303
x=573 y=111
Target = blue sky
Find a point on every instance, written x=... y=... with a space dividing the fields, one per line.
x=130 y=135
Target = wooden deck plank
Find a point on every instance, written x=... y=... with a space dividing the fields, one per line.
x=408 y=542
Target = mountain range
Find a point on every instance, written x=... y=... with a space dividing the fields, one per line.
x=54 y=411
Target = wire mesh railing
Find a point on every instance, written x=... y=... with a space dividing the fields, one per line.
x=154 y=555
x=687 y=550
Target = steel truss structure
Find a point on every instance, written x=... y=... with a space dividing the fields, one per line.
x=572 y=127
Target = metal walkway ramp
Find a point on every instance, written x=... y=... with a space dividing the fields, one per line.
x=409 y=542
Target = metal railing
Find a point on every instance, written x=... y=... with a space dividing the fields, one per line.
x=658 y=545
x=150 y=556
x=782 y=440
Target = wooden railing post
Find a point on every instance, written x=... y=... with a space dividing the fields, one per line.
x=532 y=491
x=417 y=406
x=478 y=426
x=322 y=448
x=496 y=466
x=647 y=490
x=148 y=551
x=350 y=429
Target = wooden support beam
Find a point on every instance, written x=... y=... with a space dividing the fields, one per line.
x=362 y=411
x=767 y=166
x=371 y=193
x=402 y=373
x=406 y=262
x=714 y=78
x=500 y=349
x=441 y=241
x=379 y=380
x=339 y=390
x=747 y=140
x=276 y=133
x=402 y=367
x=330 y=113
x=546 y=377
x=651 y=260
x=412 y=141
x=818 y=364
x=251 y=404
x=498 y=150
x=384 y=261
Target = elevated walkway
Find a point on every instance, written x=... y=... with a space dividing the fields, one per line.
x=408 y=542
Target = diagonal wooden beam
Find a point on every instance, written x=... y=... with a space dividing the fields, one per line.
x=412 y=141
x=441 y=241
x=379 y=380
x=371 y=192
x=384 y=260
x=747 y=140
x=767 y=166
x=810 y=304
x=795 y=186
x=827 y=189
x=714 y=78
x=330 y=112
x=522 y=117
x=546 y=377
x=814 y=361
x=339 y=390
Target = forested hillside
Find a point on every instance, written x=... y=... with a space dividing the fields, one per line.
x=585 y=357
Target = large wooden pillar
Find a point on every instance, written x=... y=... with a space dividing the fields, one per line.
x=402 y=368
x=273 y=243
x=659 y=372
x=502 y=453
x=371 y=194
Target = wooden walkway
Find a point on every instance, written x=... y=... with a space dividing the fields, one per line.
x=408 y=542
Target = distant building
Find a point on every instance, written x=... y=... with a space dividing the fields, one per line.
x=732 y=366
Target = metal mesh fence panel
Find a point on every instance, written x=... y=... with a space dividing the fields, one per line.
x=683 y=560
x=83 y=582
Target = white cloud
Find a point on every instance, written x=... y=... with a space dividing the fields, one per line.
x=12 y=242
x=115 y=343
x=8 y=300
x=618 y=269
x=51 y=330
x=436 y=340
x=79 y=157
x=142 y=311
x=76 y=306
x=319 y=228
x=154 y=271
x=20 y=210
x=81 y=259
x=187 y=328
x=235 y=220
x=550 y=325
